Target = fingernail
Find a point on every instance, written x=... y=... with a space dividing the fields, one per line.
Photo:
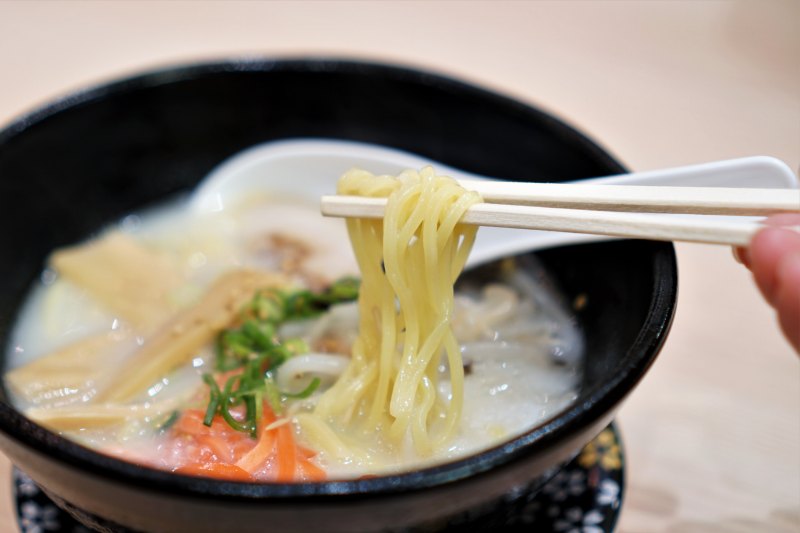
x=788 y=270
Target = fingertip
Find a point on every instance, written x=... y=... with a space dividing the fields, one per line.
x=788 y=272
x=787 y=298
x=767 y=249
x=783 y=219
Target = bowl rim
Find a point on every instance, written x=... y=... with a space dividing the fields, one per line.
x=601 y=399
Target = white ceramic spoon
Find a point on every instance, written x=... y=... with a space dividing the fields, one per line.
x=308 y=169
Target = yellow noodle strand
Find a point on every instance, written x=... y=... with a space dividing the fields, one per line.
x=409 y=261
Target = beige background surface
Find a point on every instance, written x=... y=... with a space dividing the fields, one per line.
x=713 y=434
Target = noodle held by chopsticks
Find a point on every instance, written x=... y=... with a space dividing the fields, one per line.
x=409 y=261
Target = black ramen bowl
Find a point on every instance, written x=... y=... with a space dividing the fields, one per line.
x=88 y=159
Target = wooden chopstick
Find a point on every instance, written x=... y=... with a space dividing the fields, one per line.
x=639 y=198
x=608 y=198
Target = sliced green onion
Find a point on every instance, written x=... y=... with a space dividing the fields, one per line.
x=343 y=290
x=267 y=306
x=169 y=422
x=296 y=346
x=259 y=335
x=255 y=348
x=226 y=403
x=213 y=401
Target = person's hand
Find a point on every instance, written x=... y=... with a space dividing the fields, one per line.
x=774 y=258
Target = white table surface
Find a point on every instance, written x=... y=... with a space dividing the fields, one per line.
x=713 y=433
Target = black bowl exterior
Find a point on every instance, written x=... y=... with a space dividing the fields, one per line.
x=87 y=160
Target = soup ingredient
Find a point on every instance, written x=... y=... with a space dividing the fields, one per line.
x=100 y=389
x=218 y=450
x=179 y=339
x=66 y=376
x=125 y=276
x=256 y=351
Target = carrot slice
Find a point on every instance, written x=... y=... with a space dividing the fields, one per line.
x=256 y=457
x=218 y=445
x=215 y=470
x=221 y=451
x=191 y=423
x=308 y=471
x=287 y=453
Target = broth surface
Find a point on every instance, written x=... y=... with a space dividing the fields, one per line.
x=521 y=352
